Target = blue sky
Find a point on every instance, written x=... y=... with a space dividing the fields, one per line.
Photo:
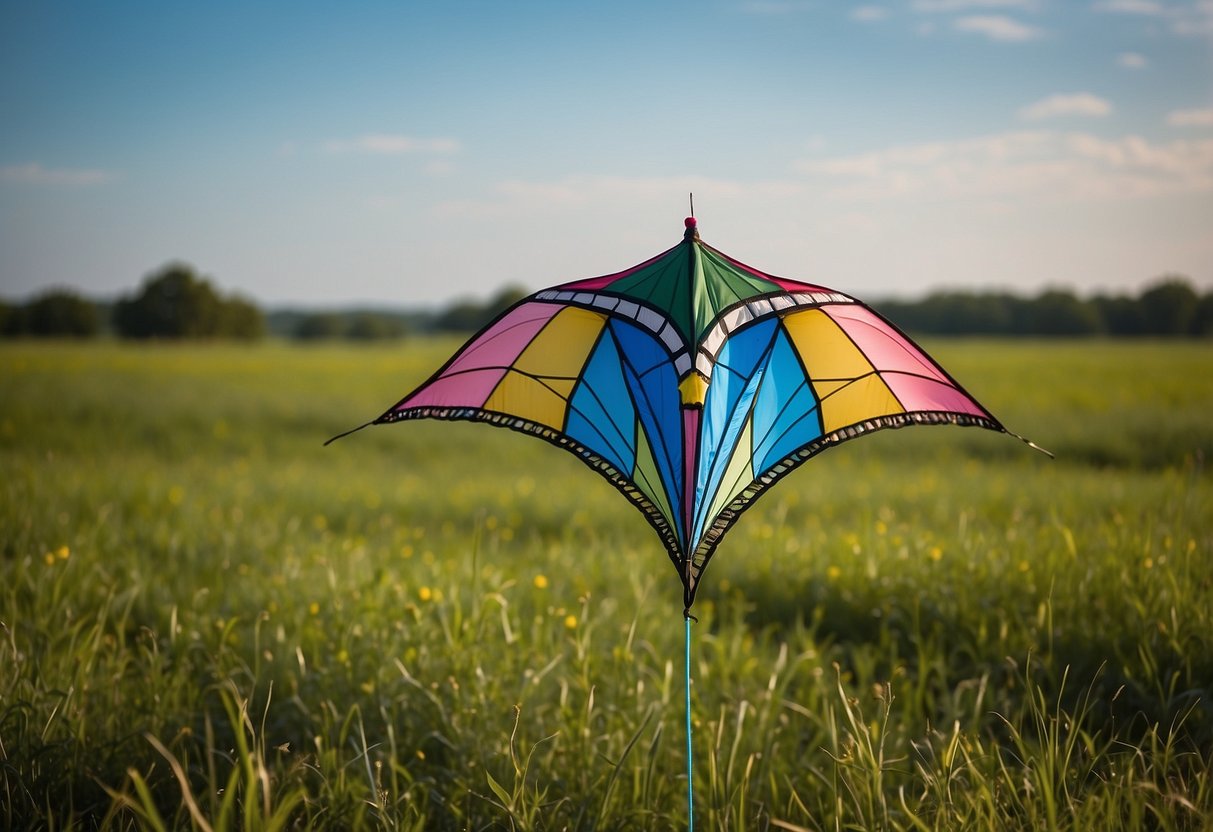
x=409 y=153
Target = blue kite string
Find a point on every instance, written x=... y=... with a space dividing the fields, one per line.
x=690 y=764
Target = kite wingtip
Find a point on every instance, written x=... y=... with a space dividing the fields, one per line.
x=343 y=434
x=1033 y=445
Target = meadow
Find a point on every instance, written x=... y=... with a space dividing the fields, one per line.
x=208 y=620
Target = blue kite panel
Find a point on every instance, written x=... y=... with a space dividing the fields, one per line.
x=739 y=368
x=786 y=412
x=653 y=386
x=601 y=416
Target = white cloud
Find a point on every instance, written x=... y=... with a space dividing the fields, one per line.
x=997 y=27
x=1032 y=164
x=1191 y=118
x=33 y=173
x=870 y=14
x=391 y=144
x=935 y=6
x=1074 y=104
x=1132 y=60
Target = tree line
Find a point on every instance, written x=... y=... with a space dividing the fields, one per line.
x=176 y=303
x=1168 y=307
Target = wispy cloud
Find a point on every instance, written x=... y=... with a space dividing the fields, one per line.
x=937 y=6
x=33 y=173
x=392 y=144
x=870 y=14
x=1146 y=7
x=1022 y=164
x=1193 y=19
x=1132 y=60
x=580 y=191
x=997 y=27
x=1191 y=118
x=776 y=7
x=1066 y=104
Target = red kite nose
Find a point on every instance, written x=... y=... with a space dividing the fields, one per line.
x=690 y=222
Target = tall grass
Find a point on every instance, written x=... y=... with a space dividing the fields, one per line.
x=209 y=621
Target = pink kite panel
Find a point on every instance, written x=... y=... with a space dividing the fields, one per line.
x=690 y=453
x=591 y=283
x=501 y=344
x=469 y=389
x=796 y=286
x=918 y=393
x=885 y=347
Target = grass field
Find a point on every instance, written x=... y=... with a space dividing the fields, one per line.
x=208 y=619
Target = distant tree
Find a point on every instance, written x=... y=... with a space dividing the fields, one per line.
x=460 y=316
x=504 y=299
x=1169 y=306
x=1057 y=312
x=1202 y=323
x=467 y=315
x=11 y=319
x=959 y=313
x=370 y=326
x=240 y=318
x=176 y=303
x=1121 y=315
x=320 y=325
x=61 y=312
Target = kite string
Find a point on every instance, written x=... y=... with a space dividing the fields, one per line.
x=690 y=766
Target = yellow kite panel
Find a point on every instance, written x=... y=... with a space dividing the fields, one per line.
x=561 y=347
x=825 y=350
x=867 y=398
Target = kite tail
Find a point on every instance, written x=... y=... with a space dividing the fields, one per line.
x=367 y=425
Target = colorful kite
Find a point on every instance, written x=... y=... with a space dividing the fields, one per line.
x=693 y=383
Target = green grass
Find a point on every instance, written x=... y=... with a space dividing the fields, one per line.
x=209 y=620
